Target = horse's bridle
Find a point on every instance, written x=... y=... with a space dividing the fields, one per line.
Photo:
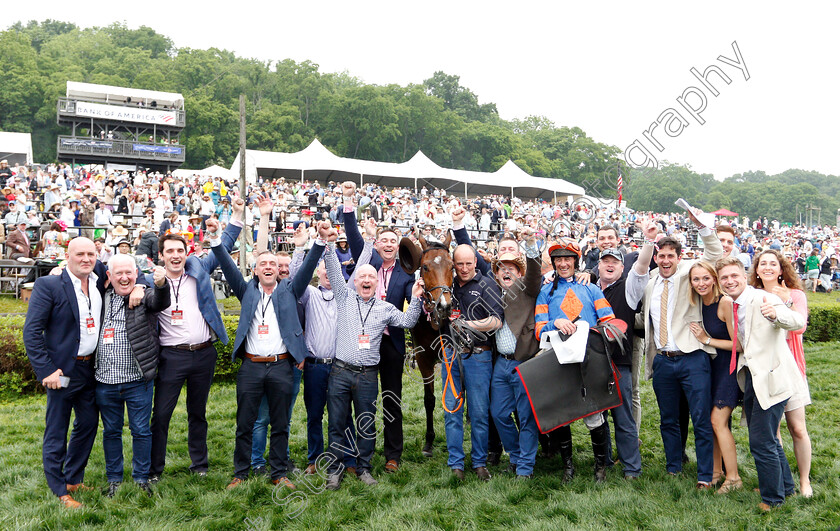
x=433 y=303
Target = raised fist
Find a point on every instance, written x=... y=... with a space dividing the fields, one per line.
x=159 y=276
x=212 y=225
x=238 y=206
x=348 y=188
x=459 y=213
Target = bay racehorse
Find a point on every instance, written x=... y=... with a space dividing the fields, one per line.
x=436 y=267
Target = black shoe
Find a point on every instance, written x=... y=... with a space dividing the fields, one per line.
x=154 y=478
x=684 y=457
x=493 y=458
x=293 y=468
x=113 y=487
x=144 y=486
x=458 y=473
x=200 y=473
x=511 y=469
x=260 y=471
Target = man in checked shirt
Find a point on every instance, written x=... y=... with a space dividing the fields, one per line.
x=362 y=318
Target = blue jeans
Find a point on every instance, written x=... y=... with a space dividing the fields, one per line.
x=478 y=371
x=360 y=389
x=316 y=378
x=626 y=432
x=112 y=400
x=771 y=465
x=691 y=374
x=260 y=434
x=507 y=394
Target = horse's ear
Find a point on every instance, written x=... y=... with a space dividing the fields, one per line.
x=422 y=240
x=410 y=256
x=448 y=239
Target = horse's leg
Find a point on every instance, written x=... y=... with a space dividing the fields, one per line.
x=426 y=364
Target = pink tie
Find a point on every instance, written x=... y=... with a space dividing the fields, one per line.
x=734 y=360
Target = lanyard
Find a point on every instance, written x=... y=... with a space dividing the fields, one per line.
x=87 y=298
x=177 y=290
x=264 y=307
x=359 y=306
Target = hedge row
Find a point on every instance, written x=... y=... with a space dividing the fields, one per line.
x=17 y=377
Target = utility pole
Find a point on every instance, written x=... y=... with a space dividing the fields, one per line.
x=243 y=248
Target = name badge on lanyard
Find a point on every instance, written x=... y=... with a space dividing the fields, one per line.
x=177 y=318
x=262 y=332
x=108 y=336
x=364 y=342
x=91 y=326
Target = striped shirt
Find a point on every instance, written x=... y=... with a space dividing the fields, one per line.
x=356 y=314
x=115 y=362
x=569 y=301
x=505 y=340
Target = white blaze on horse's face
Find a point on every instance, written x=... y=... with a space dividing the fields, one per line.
x=437 y=260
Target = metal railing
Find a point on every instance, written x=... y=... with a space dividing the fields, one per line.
x=67 y=108
x=119 y=149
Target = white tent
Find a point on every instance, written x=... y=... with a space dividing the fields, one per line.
x=210 y=171
x=16 y=148
x=317 y=163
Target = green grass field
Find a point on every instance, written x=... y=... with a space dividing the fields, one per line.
x=423 y=495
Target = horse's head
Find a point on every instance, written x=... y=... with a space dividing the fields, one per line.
x=437 y=271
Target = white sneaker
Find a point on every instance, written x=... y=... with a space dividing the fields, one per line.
x=367 y=479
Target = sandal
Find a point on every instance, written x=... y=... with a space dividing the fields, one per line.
x=729 y=485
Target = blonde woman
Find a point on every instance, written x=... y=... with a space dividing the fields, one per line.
x=717 y=331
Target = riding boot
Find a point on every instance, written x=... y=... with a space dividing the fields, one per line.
x=600 y=448
x=564 y=445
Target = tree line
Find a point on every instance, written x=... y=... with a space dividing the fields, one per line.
x=289 y=103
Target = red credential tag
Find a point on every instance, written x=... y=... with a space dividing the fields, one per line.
x=91 y=326
x=262 y=332
x=177 y=318
x=364 y=342
x=108 y=336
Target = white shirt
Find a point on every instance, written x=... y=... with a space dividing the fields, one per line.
x=273 y=343
x=194 y=329
x=655 y=309
x=89 y=306
x=743 y=301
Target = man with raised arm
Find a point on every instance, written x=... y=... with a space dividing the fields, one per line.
x=394 y=286
x=363 y=316
x=269 y=341
x=188 y=328
x=676 y=360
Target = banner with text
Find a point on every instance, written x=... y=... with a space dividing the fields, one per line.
x=127 y=114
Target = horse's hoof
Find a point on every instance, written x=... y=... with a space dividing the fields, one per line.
x=427 y=452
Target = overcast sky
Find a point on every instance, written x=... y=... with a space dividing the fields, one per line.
x=611 y=68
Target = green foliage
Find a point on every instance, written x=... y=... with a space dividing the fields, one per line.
x=782 y=197
x=823 y=316
x=288 y=104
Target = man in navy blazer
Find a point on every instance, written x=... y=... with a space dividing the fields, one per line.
x=394 y=286
x=60 y=335
x=269 y=340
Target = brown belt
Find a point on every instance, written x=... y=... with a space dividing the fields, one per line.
x=670 y=353
x=266 y=359
x=192 y=348
x=84 y=358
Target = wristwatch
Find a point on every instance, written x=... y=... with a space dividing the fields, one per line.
x=708 y=340
x=789 y=302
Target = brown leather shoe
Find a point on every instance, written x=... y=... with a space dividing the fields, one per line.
x=69 y=502
x=392 y=466
x=284 y=481
x=351 y=470
x=310 y=470
x=482 y=473
x=78 y=486
x=235 y=482
x=764 y=507
x=704 y=485
x=458 y=473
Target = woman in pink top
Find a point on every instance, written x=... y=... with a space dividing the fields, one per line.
x=772 y=272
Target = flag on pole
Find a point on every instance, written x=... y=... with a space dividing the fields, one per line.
x=620 y=187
